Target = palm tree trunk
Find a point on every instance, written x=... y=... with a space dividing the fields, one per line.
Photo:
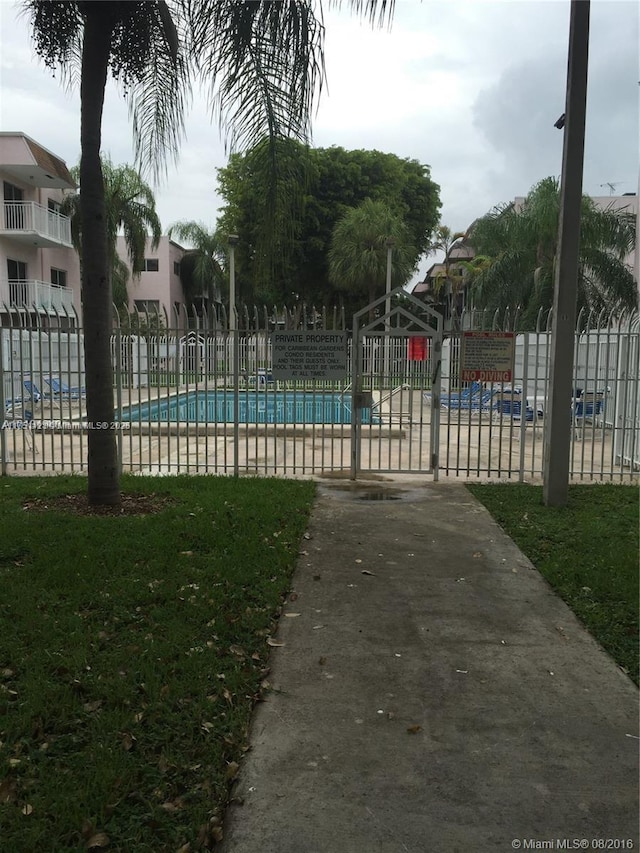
x=104 y=477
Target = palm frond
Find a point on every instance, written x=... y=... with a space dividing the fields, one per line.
x=262 y=63
x=378 y=12
x=160 y=95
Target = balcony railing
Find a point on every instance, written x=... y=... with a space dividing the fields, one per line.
x=47 y=298
x=27 y=218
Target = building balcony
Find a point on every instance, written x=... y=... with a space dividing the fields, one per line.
x=29 y=222
x=32 y=295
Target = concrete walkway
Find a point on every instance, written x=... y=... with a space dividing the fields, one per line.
x=432 y=695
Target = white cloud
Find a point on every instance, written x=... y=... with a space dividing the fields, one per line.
x=471 y=88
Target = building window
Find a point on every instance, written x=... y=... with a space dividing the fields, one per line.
x=151 y=265
x=16 y=270
x=53 y=205
x=176 y=267
x=13 y=207
x=150 y=306
x=18 y=285
x=58 y=277
x=12 y=192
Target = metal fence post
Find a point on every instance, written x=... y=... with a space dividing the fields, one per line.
x=236 y=395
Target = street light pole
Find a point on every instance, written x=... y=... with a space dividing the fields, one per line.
x=558 y=433
x=234 y=353
x=389 y=243
x=233 y=242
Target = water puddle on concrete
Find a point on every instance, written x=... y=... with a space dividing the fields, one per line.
x=361 y=492
x=379 y=496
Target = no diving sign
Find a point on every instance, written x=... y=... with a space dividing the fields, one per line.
x=487 y=356
x=309 y=355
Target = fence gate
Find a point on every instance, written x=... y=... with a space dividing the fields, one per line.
x=397 y=347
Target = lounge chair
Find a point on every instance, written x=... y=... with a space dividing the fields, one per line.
x=262 y=378
x=479 y=401
x=62 y=391
x=509 y=404
x=586 y=406
x=35 y=394
x=454 y=397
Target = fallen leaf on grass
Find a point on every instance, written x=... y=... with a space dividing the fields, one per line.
x=90 y=707
x=98 y=841
x=128 y=741
x=172 y=807
x=232 y=770
x=27 y=809
x=413 y=730
x=273 y=643
x=7 y=790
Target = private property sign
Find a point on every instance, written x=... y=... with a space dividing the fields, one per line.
x=309 y=355
x=487 y=356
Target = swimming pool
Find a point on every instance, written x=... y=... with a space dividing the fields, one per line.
x=264 y=407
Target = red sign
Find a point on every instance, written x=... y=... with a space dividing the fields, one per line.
x=418 y=349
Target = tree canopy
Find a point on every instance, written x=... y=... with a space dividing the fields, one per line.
x=358 y=255
x=518 y=248
x=202 y=268
x=316 y=188
x=130 y=208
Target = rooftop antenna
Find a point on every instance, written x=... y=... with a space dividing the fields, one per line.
x=612 y=186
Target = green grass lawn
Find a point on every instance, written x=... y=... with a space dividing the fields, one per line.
x=588 y=551
x=133 y=650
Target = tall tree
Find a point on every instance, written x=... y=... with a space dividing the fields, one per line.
x=358 y=255
x=131 y=209
x=139 y=44
x=294 y=265
x=202 y=269
x=519 y=247
x=262 y=62
x=448 y=281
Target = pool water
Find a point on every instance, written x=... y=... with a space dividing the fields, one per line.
x=264 y=407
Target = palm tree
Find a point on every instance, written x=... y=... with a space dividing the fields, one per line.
x=447 y=280
x=202 y=267
x=139 y=44
x=519 y=247
x=263 y=65
x=130 y=208
x=358 y=252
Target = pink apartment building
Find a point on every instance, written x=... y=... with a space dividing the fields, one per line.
x=39 y=268
x=158 y=289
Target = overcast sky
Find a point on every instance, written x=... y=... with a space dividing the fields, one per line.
x=471 y=88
